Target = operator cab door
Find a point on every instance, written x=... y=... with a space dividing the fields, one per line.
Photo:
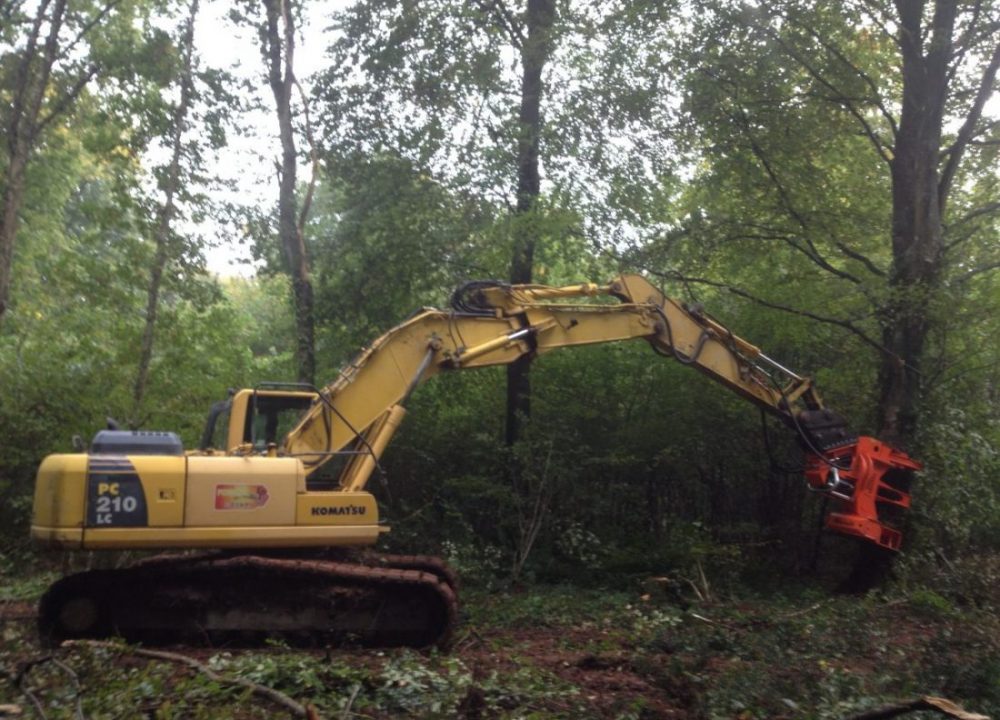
x=254 y=417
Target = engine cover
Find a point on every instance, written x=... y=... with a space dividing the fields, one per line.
x=136 y=442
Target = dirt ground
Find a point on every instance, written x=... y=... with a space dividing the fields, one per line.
x=558 y=654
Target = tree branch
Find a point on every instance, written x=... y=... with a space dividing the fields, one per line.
x=860 y=257
x=271 y=47
x=49 y=58
x=973 y=214
x=983 y=129
x=313 y=157
x=969 y=274
x=271 y=694
x=963 y=43
x=965 y=133
x=71 y=95
x=22 y=84
x=839 y=97
x=845 y=324
x=22 y=675
x=878 y=21
x=958 y=238
x=934 y=704
x=76 y=685
x=19 y=683
x=876 y=98
x=811 y=251
x=505 y=20
x=88 y=27
x=941 y=381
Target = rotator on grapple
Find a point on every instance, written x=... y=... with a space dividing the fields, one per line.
x=279 y=535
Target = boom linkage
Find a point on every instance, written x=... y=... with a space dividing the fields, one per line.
x=493 y=323
x=501 y=323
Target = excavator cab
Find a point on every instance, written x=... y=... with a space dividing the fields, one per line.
x=256 y=417
x=273 y=416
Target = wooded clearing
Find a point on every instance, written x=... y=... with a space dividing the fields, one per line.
x=822 y=177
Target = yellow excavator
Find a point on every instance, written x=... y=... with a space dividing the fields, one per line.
x=269 y=541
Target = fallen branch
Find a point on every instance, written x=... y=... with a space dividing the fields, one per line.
x=275 y=696
x=936 y=704
x=13 y=610
x=350 y=701
x=32 y=698
x=758 y=622
x=77 y=690
x=21 y=682
x=717 y=623
x=804 y=611
x=697 y=592
x=471 y=638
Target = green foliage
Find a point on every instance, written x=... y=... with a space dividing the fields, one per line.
x=299 y=675
x=970 y=580
x=959 y=489
x=67 y=357
x=631 y=465
x=20 y=586
x=544 y=606
x=385 y=238
x=929 y=603
x=565 y=651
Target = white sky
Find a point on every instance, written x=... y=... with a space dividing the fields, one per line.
x=249 y=160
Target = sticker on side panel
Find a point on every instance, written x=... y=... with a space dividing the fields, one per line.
x=114 y=494
x=240 y=497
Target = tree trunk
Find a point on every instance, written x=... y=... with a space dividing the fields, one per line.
x=32 y=80
x=917 y=234
x=280 y=52
x=535 y=53
x=917 y=242
x=13 y=195
x=163 y=224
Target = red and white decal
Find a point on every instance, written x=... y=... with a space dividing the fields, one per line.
x=240 y=497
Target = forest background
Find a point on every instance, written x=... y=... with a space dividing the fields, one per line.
x=822 y=176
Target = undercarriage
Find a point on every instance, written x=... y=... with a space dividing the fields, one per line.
x=218 y=599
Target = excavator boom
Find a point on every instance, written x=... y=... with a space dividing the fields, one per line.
x=494 y=323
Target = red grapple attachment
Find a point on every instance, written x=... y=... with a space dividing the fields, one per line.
x=871 y=482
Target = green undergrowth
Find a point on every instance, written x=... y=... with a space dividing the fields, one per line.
x=16 y=588
x=565 y=652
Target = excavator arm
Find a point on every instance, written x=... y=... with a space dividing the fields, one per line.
x=492 y=323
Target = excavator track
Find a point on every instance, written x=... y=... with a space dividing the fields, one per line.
x=425 y=563
x=242 y=600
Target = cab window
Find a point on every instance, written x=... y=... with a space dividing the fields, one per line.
x=272 y=417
